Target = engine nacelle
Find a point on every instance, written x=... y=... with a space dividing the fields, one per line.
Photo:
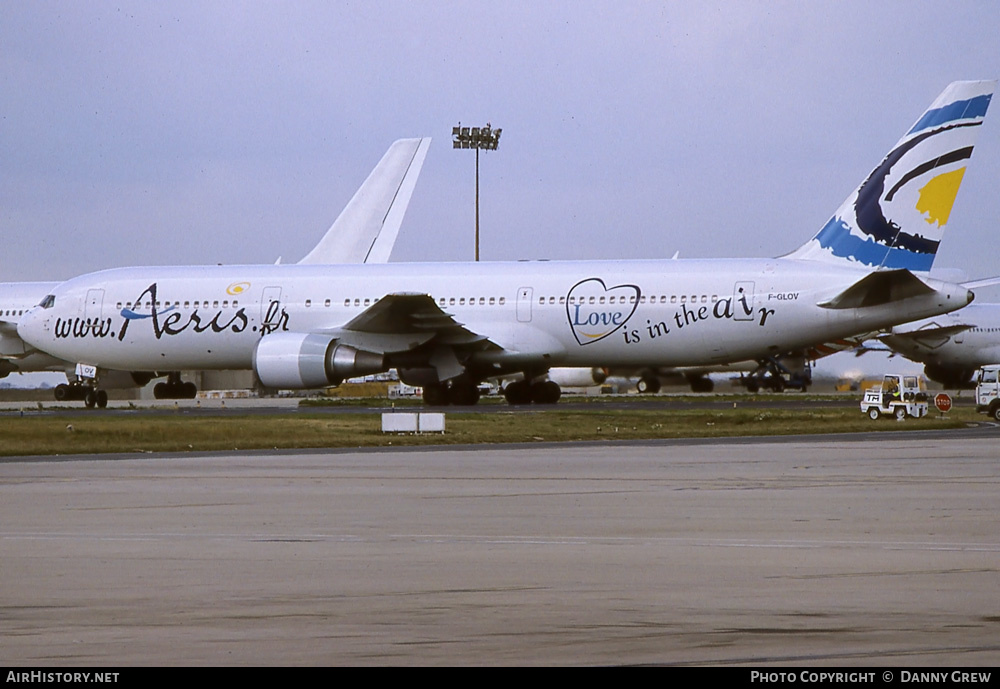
x=578 y=377
x=304 y=360
x=950 y=376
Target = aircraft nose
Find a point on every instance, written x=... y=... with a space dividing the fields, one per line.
x=28 y=326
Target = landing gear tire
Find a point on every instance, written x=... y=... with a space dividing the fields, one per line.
x=90 y=399
x=435 y=395
x=175 y=390
x=518 y=392
x=546 y=392
x=102 y=399
x=463 y=394
x=62 y=392
x=702 y=385
x=753 y=386
x=648 y=385
x=874 y=413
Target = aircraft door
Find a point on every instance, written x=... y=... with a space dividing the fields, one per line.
x=743 y=301
x=270 y=308
x=95 y=304
x=524 y=304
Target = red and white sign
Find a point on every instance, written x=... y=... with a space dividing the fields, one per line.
x=942 y=401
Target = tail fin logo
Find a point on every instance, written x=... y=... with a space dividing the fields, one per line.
x=896 y=218
x=938 y=196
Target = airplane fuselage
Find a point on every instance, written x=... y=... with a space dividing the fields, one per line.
x=579 y=313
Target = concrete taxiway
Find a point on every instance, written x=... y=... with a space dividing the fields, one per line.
x=810 y=551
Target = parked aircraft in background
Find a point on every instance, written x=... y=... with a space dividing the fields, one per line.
x=951 y=346
x=448 y=326
x=364 y=232
x=15 y=299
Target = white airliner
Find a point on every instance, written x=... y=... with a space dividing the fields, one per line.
x=364 y=232
x=951 y=346
x=448 y=326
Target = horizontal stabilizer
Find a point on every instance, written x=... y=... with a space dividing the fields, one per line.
x=878 y=288
x=985 y=282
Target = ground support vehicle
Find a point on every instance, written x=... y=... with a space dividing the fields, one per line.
x=988 y=390
x=898 y=396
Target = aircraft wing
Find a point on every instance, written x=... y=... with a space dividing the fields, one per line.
x=12 y=347
x=932 y=332
x=8 y=328
x=932 y=336
x=366 y=230
x=402 y=322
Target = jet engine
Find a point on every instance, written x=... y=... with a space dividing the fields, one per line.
x=304 y=360
x=953 y=377
x=578 y=377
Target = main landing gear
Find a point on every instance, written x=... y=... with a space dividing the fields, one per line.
x=772 y=375
x=465 y=393
x=175 y=388
x=77 y=391
x=459 y=393
x=523 y=392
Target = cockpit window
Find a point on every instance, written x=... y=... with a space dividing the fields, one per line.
x=48 y=302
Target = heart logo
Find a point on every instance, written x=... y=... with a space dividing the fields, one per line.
x=595 y=310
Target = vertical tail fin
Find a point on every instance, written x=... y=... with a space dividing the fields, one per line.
x=365 y=231
x=896 y=218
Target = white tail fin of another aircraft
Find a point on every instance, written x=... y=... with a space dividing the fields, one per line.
x=366 y=230
x=896 y=218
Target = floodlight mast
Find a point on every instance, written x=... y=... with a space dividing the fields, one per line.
x=485 y=138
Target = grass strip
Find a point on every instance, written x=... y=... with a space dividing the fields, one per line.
x=54 y=435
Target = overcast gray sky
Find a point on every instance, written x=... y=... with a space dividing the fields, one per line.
x=235 y=132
